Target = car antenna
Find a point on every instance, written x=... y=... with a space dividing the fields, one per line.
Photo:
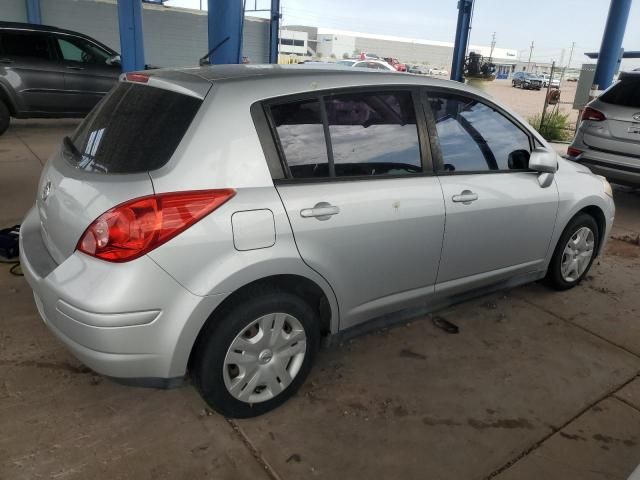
x=205 y=59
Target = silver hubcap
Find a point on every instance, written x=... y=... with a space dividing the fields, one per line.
x=264 y=358
x=577 y=254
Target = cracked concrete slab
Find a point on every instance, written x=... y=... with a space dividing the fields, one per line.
x=413 y=399
x=606 y=303
x=602 y=444
x=631 y=394
x=59 y=420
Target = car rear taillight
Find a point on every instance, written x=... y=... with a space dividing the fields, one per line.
x=573 y=152
x=593 y=115
x=136 y=227
x=137 y=77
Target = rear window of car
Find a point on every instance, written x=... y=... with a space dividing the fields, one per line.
x=625 y=93
x=135 y=128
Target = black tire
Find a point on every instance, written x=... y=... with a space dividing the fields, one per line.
x=554 y=276
x=220 y=332
x=5 y=117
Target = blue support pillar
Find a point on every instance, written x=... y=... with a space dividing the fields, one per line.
x=33 y=11
x=609 y=57
x=131 y=39
x=226 y=18
x=274 y=30
x=465 y=9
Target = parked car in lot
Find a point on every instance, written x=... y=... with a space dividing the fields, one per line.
x=50 y=72
x=555 y=82
x=608 y=138
x=371 y=64
x=526 y=80
x=418 y=69
x=395 y=63
x=225 y=233
x=438 y=71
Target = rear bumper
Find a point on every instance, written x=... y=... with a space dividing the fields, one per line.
x=129 y=320
x=613 y=172
x=618 y=168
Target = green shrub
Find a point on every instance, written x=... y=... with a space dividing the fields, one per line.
x=556 y=127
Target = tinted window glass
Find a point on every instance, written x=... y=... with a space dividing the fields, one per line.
x=373 y=133
x=301 y=133
x=80 y=50
x=23 y=44
x=625 y=93
x=474 y=137
x=134 y=129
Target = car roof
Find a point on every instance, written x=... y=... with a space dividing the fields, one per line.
x=49 y=29
x=304 y=72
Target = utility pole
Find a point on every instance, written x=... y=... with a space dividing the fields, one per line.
x=493 y=45
x=573 y=46
x=530 y=54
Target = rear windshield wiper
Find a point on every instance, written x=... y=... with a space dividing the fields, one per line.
x=71 y=147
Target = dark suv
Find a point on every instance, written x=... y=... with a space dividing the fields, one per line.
x=49 y=72
x=526 y=80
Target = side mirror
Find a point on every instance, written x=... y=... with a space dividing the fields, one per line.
x=543 y=161
x=113 y=60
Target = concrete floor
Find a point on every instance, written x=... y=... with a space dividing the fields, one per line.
x=538 y=384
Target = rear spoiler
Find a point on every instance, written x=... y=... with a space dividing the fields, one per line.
x=174 y=80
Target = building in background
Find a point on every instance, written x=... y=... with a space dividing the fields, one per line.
x=293 y=42
x=337 y=44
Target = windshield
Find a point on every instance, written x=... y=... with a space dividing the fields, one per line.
x=348 y=63
x=135 y=128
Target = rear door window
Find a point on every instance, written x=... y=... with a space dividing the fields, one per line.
x=135 y=128
x=370 y=134
x=301 y=133
x=26 y=44
x=625 y=93
x=373 y=134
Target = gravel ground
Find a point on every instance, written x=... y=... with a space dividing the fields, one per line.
x=529 y=102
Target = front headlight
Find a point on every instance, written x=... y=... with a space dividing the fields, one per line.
x=607 y=187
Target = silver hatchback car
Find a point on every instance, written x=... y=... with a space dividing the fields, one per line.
x=221 y=221
x=608 y=139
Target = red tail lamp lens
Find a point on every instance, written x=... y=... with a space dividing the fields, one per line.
x=137 y=77
x=134 y=228
x=573 y=152
x=593 y=114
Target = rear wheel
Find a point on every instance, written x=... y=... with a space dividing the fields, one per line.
x=5 y=117
x=574 y=252
x=257 y=354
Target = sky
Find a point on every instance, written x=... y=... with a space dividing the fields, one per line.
x=551 y=24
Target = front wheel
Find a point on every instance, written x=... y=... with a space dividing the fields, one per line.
x=257 y=354
x=574 y=253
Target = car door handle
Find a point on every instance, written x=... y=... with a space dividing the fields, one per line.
x=72 y=67
x=465 y=197
x=321 y=211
